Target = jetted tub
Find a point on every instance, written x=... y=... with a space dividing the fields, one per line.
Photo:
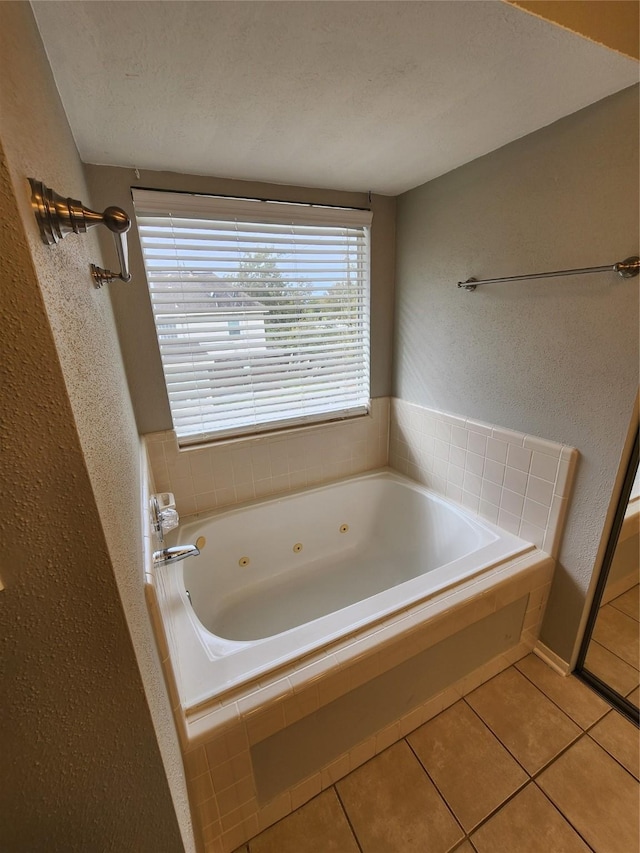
x=287 y=575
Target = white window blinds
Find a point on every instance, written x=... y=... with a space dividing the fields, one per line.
x=261 y=310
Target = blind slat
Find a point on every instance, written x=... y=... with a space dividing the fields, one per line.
x=261 y=310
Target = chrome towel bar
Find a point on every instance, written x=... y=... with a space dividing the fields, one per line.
x=629 y=268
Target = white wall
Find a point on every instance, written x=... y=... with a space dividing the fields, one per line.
x=556 y=358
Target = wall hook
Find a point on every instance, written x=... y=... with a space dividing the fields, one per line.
x=57 y=216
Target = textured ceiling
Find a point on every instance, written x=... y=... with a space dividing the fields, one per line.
x=345 y=95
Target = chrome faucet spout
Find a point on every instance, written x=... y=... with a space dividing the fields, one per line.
x=174 y=555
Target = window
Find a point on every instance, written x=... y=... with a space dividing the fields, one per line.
x=261 y=310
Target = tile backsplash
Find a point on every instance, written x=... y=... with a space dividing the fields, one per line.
x=235 y=471
x=517 y=481
x=520 y=482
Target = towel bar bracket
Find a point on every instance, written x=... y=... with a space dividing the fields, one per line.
x=57 y=216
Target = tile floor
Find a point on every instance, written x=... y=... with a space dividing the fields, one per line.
x=530 y=762
x=614 y=651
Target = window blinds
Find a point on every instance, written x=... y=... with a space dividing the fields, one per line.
x=261 y=310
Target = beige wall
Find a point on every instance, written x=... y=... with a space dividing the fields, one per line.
x=557 y=358
x=83 y=699
x=132 y=306
x=613 y=23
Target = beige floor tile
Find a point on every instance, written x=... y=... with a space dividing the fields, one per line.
x=629 y=602
x=610 y=669
x=619 y=633
x=465 y=847
x=578 y=701
x=532 y=728
x=597 y=795
x=529 y=823
x=634 y=697
x=394 y=807
x=473 y=771
x=620 y=738
x=319 y=826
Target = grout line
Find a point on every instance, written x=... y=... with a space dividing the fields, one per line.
x=593 y=725
x=536 y=773
x=427 y=774
x=611 y=652
x=612 y=603
x=610 y=754
x=502 y=744
x=494 y=812
x=562 y=815
x=564 y=749
x=531 y=777
x=465 y=840
x=346 y=814
x=559 y=707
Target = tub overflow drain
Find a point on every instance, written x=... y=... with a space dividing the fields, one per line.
x=243 y=561
x=297 y=547
x=344 y=528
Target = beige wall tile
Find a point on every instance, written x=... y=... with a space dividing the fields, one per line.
x=200 y=789
x=502 y=475
x=362 y=753
x=234 y=836
x=306 y=790
x=195 y=762
x=597 y=795
x=337 y=769
x=225 y=474
x=275 y=810
x=211 y=837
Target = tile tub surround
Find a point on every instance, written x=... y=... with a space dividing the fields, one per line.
x=519 y=482
x=217 y=739
x=238 y=470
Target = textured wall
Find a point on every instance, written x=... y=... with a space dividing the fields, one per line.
x=557 y=358
x=82 y=769
x=132 y=305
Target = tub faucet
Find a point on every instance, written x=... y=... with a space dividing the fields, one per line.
x=174 y=555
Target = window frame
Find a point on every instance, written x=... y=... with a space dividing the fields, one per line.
x=193 y=206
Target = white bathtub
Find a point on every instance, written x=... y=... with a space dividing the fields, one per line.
x=282 y=577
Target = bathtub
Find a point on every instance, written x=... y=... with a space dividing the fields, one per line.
x=281 y=578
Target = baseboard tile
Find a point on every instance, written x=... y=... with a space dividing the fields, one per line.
x=552 y=659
